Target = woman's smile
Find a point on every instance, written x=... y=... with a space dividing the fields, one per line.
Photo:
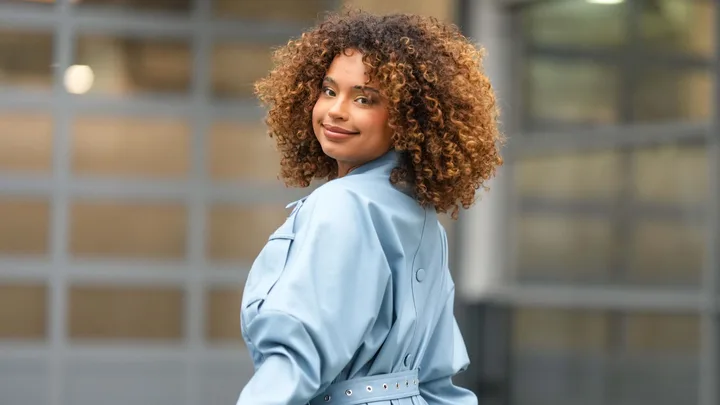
x=335 y=133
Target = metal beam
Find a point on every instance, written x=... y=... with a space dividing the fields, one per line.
x=127 y=272
x=17 y=17
x=606 y=137
x=59 y=229
x=197 y=209
x=689 y=214
x=149 y=351
x=99 y=188
x=638 y=57
x=482 y=231
x=516 y=3
x=17 y=99
x=139 y=105
x=710 y=343
x=179 y=106
x=601 y=297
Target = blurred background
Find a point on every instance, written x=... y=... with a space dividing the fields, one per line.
x=137 y=185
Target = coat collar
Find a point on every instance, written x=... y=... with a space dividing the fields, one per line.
x=384 y=164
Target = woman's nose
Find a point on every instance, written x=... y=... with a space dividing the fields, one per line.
x=338 y=110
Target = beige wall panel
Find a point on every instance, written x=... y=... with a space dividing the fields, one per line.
x=442 y=9
x=242 y=151
x=270 y=10
x=240 y=232
x=25 y=141
x=24 y=226
x=112 y=312
x=222 y=314
x=128 y=230
x=139 y=147
x=236 y=67
x=23 y=311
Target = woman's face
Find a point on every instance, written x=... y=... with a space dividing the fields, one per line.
x=350 y=119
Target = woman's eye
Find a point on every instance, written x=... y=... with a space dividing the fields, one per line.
x=328 y=91
x=363 y=100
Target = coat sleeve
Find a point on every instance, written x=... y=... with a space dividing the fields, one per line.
x=446 y=356
x=324 y=303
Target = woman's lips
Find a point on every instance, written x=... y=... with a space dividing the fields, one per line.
x=334 y=132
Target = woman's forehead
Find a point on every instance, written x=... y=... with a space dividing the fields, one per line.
x=348 y=64
x=348 y=69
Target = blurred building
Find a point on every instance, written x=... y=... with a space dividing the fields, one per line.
x=136 y=186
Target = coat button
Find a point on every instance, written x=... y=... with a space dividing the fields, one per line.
x=408 y=360
x=420 y=275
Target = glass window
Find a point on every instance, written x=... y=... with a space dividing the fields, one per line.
x=242 y=151
x=138 y=5
x=222 y=321
x=236 y=67
x=128 y=65
x=281 y=11
x=26 y=141
x=556 y=246
x=678 y=25
x=557 y=237
x=240 y=232
x=137 y=147
x=667 y=246
x=672 y=174
x=30 y=323
x=575 y=356
x=564 y=93
x=128 y=230
x=542 y=329
x=619 y=216
x=666 y=252
x=589 y=175
x=24 y=226
x=667 y=334
x=118 y=312
x=666 y=94
x=26 y=59
x=576 y=23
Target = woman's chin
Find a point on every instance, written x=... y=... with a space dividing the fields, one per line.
x=335 y=151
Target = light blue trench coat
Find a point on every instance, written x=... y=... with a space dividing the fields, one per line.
x=351 y=301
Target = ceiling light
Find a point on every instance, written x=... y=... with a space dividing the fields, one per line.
x=79 y=79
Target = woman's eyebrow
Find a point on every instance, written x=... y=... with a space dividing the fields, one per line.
x=367 y=89
x=332 y=81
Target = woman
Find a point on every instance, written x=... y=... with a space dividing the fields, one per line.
x=351 y=300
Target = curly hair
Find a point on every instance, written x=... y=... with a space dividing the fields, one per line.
x=442 y=109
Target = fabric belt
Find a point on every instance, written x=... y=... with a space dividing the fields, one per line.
x=375 y=388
